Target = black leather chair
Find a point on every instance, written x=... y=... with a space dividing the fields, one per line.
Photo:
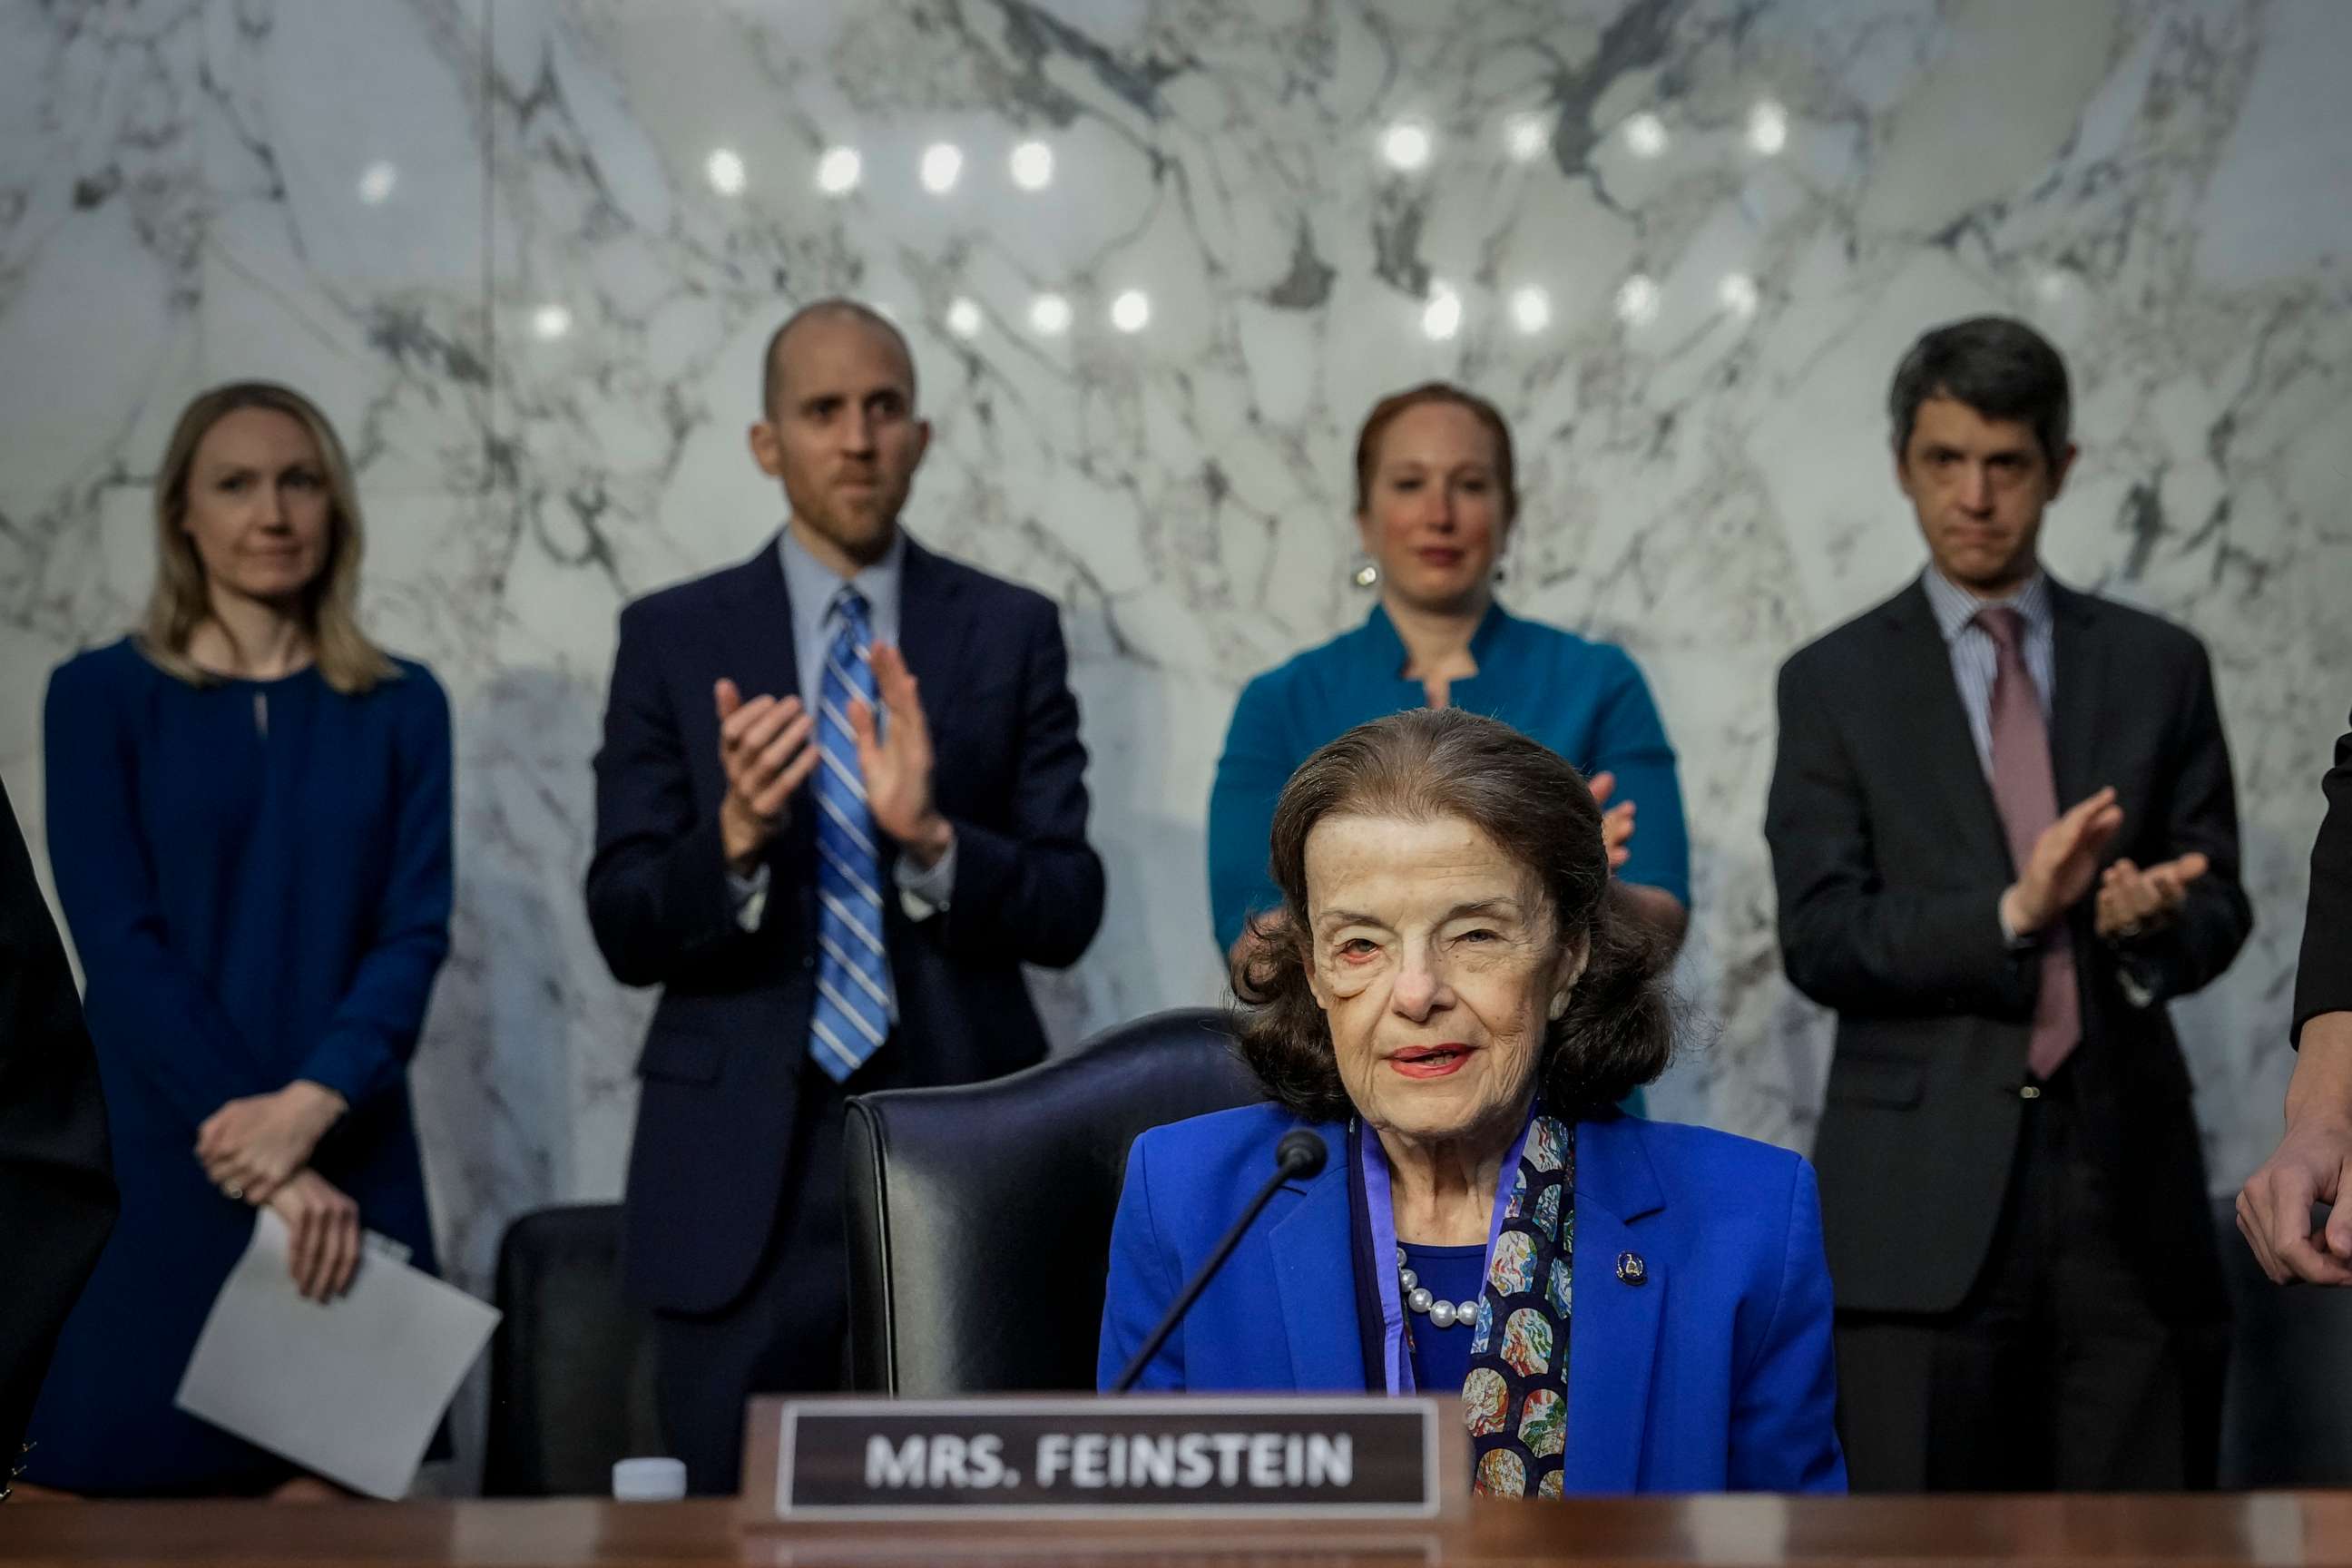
x=571 y=1365
x=979 y=1215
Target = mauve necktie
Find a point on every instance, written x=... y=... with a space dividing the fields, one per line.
x=2026 y=791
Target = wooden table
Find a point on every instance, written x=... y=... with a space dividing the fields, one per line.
x=2274 y=1528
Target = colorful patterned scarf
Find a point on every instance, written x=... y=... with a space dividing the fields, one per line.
x=1516 y=1396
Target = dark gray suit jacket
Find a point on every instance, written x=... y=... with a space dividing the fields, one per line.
x=1890 y=860
x=2323 y=981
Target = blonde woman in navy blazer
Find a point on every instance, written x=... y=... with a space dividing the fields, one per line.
x=1452 y=997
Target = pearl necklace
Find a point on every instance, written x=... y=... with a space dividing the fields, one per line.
x=1441 y=1314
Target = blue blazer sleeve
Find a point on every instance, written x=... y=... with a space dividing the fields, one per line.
x=1257 y=763
x=1032 y=894
x=1784 y=1404
x=658 y=894
x=1630 y=740
x=373 y=1035
x=1143 y=1285
x=164 y=1021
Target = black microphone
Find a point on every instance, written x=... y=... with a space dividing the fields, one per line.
x=1300 y=1155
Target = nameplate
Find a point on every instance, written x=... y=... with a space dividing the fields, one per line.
x=1132 y=1458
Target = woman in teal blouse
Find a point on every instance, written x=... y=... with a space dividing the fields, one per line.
x=1435 y=496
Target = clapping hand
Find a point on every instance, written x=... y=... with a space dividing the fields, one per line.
x=765 y=746
x=897 y=760
x=1616 y=821
x=2062 y=865
x=2132 y=900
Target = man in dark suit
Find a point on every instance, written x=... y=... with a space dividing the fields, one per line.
x=2004 y=835
x=57 y=1183
x=2313 y=1163
x=834 y=875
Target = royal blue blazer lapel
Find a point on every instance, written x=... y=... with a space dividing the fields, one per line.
x=1614 y=1323
x=1315 y=1277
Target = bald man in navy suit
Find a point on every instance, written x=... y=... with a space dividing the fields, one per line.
x=841 y=801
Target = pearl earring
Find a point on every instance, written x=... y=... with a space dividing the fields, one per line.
x=1366 y=575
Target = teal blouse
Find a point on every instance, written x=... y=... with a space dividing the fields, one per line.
x=1586 y=701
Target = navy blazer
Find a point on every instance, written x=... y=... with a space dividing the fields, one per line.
x=1713 y=1374
x=722 y=1059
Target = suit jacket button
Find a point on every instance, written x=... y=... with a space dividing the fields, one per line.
x=2029 y=1092
x=1631 y=1270
x=808 y=961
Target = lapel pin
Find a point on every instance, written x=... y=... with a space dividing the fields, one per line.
x=1631 y=1270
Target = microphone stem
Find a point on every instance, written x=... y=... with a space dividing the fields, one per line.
x=1199 y=1281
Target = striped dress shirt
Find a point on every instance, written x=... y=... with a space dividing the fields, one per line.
x=1974 y=657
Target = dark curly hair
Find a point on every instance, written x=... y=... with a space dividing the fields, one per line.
x=1425 y=764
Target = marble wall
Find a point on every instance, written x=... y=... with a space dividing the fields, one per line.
x=525 y=252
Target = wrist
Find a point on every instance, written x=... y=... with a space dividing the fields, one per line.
x=742 y=836
x=930 y=841
x=321 y=1106
x=2018 y=914
x=2321 y=1089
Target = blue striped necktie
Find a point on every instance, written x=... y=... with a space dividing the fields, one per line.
x=853 y=977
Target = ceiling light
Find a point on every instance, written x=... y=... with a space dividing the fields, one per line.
x=1442 y=316
x=1033 y=166
x=1637 y=300
x=1406 y=147
x=1050 y=314
x=942 y=166
x=1646 y=134
x=1531 y=310
x=377 y=181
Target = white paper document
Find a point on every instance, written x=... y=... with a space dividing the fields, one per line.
x=351 y=1388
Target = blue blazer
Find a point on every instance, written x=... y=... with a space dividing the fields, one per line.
x=253 y=903
x=1715 y=1373
x=722 y=1061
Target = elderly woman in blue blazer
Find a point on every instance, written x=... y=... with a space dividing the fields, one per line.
x=1452 y=997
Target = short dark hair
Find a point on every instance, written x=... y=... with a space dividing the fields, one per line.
x=1996 y=365
x=836 y=308
x=1428 y=764
x=1384 y=414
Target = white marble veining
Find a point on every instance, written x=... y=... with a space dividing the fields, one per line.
x=525 y=252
